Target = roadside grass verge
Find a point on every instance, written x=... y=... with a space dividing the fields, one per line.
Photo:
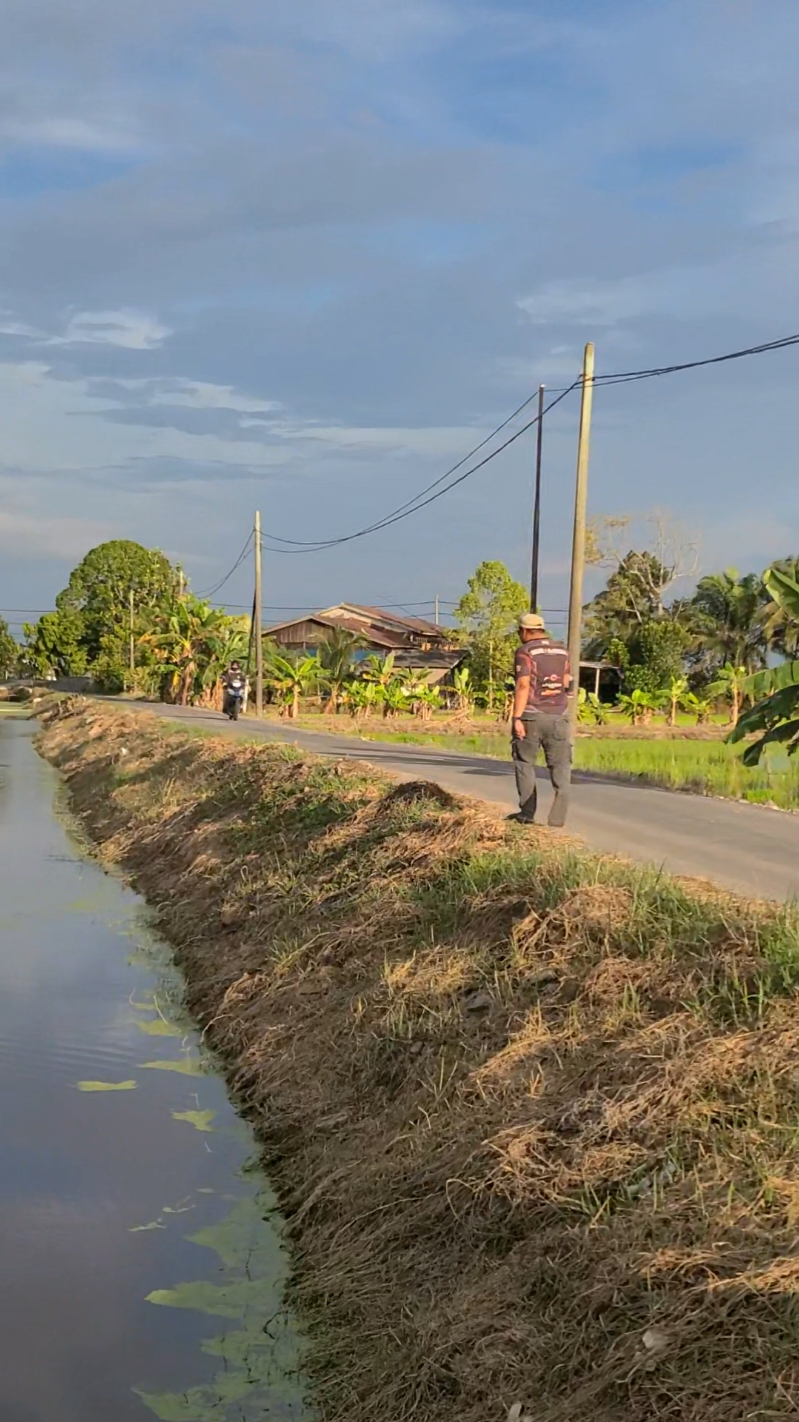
x=532 y=1113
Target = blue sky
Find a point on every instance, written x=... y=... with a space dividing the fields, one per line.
x=301 y=256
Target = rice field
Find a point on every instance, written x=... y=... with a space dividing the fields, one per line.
x=703 y=767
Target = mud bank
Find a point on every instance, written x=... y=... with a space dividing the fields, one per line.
x=531 y=1113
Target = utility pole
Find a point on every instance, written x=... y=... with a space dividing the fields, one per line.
x=181 y=584
x=256 y=623
x=578 y=543
x=437 y=622
x=539 y=445
x=131 y=641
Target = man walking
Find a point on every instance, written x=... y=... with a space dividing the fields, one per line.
x=541 y=718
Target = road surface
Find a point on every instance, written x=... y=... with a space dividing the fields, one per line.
x=747 y=848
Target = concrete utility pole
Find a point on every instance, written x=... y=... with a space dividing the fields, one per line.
x=437 y=622
x=578 y=542
x=539 y=445
x=256 y=623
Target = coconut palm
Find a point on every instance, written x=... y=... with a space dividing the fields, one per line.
x=726 y=618
x=335 y=660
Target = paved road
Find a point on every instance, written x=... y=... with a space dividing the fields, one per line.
x=743 y=847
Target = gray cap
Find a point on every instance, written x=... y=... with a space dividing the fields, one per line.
x=531 y=622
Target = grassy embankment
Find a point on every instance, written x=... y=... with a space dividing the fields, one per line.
x=706 y=767
x=531 y=1112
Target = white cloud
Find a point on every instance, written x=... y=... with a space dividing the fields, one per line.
x=201 y=395
x=72 y=133
x=131 y=330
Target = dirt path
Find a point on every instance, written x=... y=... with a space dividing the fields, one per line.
x=740 y=846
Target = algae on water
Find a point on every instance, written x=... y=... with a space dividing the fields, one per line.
x=260 y=1358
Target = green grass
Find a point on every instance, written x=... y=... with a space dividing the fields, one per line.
x=703 y=767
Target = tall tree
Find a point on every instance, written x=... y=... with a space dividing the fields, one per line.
x=55 y=643
x=100 y=589
x=725 y=621
x=9 y=651
x=486 y=617
x=632 y=598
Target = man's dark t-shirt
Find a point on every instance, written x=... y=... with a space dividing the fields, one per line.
x=547 y=665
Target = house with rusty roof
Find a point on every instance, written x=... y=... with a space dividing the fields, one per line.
x=415 y=642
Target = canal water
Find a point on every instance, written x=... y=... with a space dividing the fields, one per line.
x=140 y=1250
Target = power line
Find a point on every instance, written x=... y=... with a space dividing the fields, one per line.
x=624 y=376
x=405 y=510
x=211 y=592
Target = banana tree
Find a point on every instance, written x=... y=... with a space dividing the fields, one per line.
x=641 y=705
x=462 y=686
x=290 y=679
x=731 y=684
x=775 y=715
x=678 y=686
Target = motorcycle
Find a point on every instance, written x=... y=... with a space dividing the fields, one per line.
x=234 y=698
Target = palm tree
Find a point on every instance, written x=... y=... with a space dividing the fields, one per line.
x=335 y=658
x=726 y=619
x=291 y=678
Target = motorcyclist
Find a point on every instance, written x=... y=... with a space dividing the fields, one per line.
x=233 y=683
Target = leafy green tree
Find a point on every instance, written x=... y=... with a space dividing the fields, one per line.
x=641 y=705
x=656 y=656
x=55 y=643
x=9 y=651
x=335 y=658
x=99 y=592
x=631 y=599
x=486 y=617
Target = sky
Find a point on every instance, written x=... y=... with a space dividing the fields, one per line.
x=301 y=256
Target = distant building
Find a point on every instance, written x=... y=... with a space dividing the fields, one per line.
x=415 y=642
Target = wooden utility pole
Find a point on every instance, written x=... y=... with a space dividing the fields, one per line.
x=578 y=542
x=256 y=623
x=131 y=640
x=539 y=445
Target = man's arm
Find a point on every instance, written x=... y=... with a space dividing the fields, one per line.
x=520 y=698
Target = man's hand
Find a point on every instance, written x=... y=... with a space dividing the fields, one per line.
x=519 y=729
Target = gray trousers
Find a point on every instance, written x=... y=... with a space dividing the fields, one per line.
x=551 y=732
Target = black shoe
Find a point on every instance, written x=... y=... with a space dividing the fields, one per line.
x=520 y=819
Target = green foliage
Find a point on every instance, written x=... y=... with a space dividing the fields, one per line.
x=335 y=660
x=290 y=677
x=590 y=708
x=775 y=716
x=56 y=644
x=9 y=651
x=640 y=705
x=632 y=597
x=486 y=618
x=192 y=644
x=724 y=621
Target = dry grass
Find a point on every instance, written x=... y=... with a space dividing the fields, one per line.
x=532 y=1113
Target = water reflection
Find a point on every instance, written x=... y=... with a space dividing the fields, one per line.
x=141 y=1257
